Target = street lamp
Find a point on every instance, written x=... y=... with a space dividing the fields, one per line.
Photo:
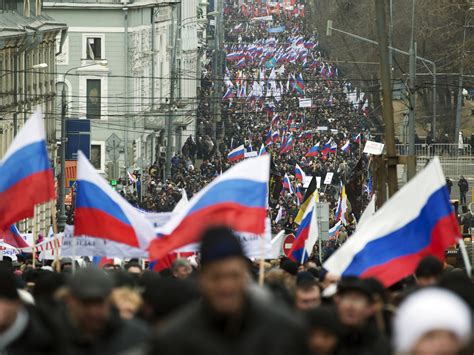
x=62 y=175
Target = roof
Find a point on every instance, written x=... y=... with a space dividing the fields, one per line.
x=13 y=24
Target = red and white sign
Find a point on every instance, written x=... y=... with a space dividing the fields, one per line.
x=288 y=243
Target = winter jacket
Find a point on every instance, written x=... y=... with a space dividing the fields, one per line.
x=118 y=336
x=261 y=329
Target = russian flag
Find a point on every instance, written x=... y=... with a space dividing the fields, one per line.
x=299 y=173
x=288 y=145
x=13 y=237
x=241 y=63
x=357 y=139
x=417 y=221
x=236 y=154
x=306 y=235
x=334 y=231
x=333 y=147
x=346 y=147
x=102 y=212
x=26 y=177
x=287 y=184
x=275 y=136
x=262 y=151
x=313 y=150
x=268 y=138
x=234 y=56
x=327 y=147
x=300 y=84
x=237 y=199
x=228 y=94
x=299 y=195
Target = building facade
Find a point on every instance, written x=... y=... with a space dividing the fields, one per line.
x=116 y=66
x=28 y=49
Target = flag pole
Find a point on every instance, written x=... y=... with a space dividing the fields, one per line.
x=33 y=247
x=56 y=240
x=465 y=257
x=261 y=272
x=302 y=254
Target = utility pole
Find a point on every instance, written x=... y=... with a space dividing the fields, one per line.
x=411 y=171
x=391 y=158
x=171 y=104
x=62 y=175
x=15 y=88
x=127 y=99
x=217 y=67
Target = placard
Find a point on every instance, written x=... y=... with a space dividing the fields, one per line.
x=252 y=154
x=306 y=102
x=318 y=182
x=373 y=148
x=307 y=181
x=328 y=178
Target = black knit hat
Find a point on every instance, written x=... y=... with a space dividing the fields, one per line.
x=325 y=318
x=289 y=266
x=429 y=266
x=354 y=284
x=8 y=288
x=219 y=243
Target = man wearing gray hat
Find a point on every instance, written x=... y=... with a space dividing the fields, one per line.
x=92 y=325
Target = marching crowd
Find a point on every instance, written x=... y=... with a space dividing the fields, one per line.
x=215 y=306
x=261 y=107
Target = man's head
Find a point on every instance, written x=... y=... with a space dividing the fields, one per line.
x=354 y=302
x=307 y=295
x=428 y=271
x=10 y=302
x=224 y=272
x=324 y=330
x=181 y=268
x=89 y=302
x=134 y=268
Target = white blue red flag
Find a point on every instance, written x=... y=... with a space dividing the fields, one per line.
x=236 y=154
x=26 y=177
x=417 y=221
x=237 y=199
x=102 y=212
x=313 y=151
x=299 y=173
x=287 y=184
x=306 y=235
x=346 y=147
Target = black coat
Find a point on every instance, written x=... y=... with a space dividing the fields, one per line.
x=463 y=185
x=119 y=336
x=262 y=329
x=365 y=341
x=41 y=336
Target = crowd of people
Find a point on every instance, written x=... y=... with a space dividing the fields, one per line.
x=223 y=303
x=262 y=97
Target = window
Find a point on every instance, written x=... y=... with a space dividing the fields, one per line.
x=96 y=156
x=93 y=99
x=93 y=48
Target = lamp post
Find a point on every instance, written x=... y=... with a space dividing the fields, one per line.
x=62 y=175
